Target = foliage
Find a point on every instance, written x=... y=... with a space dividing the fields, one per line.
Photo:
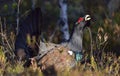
x=105 y=64
x=105 y=59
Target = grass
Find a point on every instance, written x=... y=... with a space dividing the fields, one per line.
x=101 y=62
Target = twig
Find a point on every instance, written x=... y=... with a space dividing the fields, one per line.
x=18 y=19
x=38 y=57
x=3 y=43
x=53 y=34
x=4 y=39
x=90 y=40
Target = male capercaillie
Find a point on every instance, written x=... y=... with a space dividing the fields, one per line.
x=76 y=40
x=65 y=55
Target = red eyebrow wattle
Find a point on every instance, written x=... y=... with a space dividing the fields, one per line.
x=80 y=19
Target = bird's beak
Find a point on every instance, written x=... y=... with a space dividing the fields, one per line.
x=87 y=18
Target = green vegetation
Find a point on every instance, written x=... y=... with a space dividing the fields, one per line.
x=105 y=56
x=108 y=65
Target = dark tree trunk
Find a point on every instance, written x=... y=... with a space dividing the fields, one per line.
x=32 y=26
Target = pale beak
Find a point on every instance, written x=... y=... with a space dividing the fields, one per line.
x=87 y=17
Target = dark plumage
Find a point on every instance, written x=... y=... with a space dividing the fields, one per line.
x=75 y=42
x=56 y=55
x=31 y=25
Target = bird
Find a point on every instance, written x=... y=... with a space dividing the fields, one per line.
x=65 y=55
x=75 y=42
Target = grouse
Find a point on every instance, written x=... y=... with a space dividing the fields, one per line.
x=75 y=42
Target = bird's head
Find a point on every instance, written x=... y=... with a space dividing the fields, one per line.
x=84 y=21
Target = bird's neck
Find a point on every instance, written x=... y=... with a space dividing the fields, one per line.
x=75 y=43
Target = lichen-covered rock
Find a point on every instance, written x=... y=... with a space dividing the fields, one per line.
x=57 y=59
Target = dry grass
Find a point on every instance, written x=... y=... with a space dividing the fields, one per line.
x=99 y=63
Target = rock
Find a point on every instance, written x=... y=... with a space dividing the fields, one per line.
x=58 y=59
